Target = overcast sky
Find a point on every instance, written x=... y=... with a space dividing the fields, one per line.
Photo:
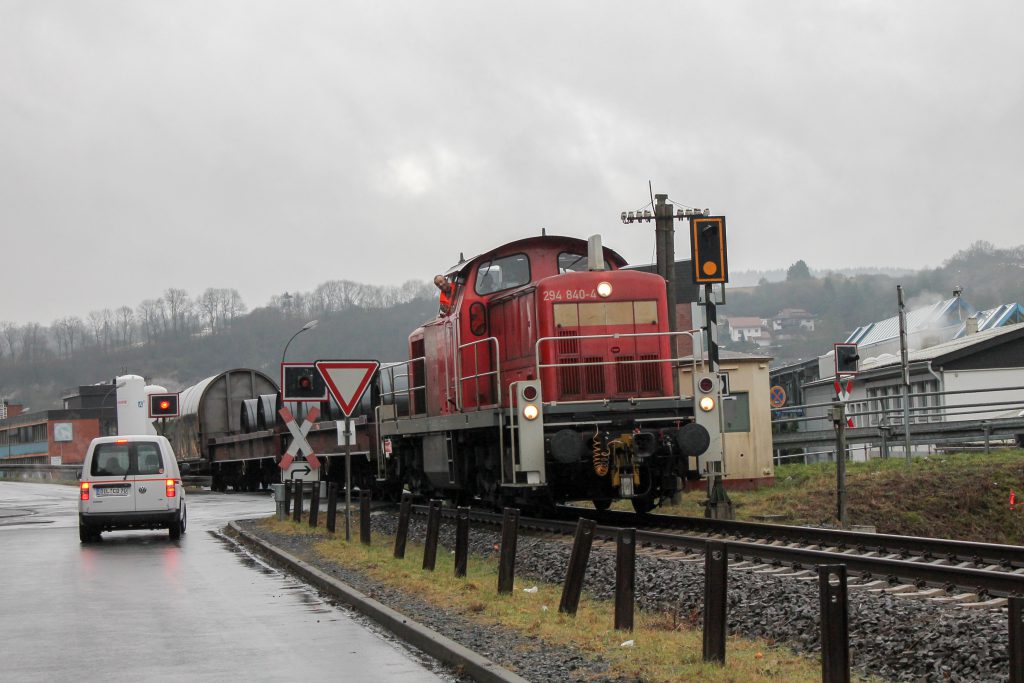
x=270 y=146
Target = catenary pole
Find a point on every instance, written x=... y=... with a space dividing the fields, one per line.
x=905 y=367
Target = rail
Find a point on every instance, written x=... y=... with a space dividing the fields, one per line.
x=676 y=362
x=926 y=570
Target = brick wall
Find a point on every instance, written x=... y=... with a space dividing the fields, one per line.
x=73 y=452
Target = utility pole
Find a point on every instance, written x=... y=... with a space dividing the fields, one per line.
x=905 y=367
x=665 y=240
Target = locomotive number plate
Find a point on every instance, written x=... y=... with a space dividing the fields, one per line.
x=569 y=295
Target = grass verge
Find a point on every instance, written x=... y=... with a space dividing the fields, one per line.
x=662 y=649
x=962 y=496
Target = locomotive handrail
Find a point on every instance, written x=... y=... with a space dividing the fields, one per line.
x=390 y=368
x=476 y=366
x=677 y=361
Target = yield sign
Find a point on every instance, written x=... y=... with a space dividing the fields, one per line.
x=347 y=380
x=299 y=446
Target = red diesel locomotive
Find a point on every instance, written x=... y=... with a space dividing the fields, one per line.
x=549 y=378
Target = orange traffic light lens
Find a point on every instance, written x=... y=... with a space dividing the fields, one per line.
x=164 y=405
x=709 y=268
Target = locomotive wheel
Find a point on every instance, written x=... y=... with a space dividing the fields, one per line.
x=642 y=505
x=602 y=505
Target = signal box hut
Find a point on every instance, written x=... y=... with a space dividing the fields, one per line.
x=747 y=432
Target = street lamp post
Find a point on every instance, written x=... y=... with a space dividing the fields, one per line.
x=308 y=326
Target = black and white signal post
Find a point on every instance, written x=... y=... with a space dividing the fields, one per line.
x=710 y=268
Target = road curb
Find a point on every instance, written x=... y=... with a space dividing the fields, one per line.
x=419 y=636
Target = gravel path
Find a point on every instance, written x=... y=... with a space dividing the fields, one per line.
x=892 y=638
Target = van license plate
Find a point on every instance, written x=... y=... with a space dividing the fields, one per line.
x=112 y=491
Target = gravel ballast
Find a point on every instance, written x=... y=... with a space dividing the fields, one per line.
x=892 y=638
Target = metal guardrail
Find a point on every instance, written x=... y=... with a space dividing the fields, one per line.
x=930 y=425
x=25 y=472
x=68 y=473
x=923 y=433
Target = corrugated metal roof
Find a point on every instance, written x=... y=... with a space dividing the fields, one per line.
x=941 y=314
x=1004 y=314
x=938 y=350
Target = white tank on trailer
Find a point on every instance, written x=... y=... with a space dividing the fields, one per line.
x=132 y=415
x=151 y=422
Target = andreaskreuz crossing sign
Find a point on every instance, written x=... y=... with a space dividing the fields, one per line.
x=299 y=446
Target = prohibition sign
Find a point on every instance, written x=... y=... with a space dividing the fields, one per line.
x=778 y=397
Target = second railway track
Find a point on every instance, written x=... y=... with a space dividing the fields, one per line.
x=968 y=574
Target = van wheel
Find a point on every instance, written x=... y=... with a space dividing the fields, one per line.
x=177 y=527
x=87 y=535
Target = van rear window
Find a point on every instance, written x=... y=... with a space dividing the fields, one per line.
x=120 y=459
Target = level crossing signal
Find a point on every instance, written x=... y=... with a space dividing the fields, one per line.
x=302 y=382
x=708 y=249
x=847 y=359
x=163 y=405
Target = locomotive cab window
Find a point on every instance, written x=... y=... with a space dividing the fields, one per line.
x=503 y=273
x=575 y=263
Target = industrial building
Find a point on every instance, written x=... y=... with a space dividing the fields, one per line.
x=59 y=436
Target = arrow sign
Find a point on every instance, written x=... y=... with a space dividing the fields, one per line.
x=304 y=471
x=347 y=380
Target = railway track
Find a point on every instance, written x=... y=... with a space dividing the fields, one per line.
x=971 y=575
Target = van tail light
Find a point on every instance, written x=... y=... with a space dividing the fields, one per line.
x=85 y=490
x=170 y=488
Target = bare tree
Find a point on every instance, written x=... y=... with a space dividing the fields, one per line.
x=209 y=306
x=57 y=331
x=178 y=304
x=125 y=319
x=234 y=306
x=99 y=328
x=148 y=320
x=74 y=331
x=33 y=343
x=11 y=336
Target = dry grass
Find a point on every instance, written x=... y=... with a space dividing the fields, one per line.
x=963 y=496
x=662 y=649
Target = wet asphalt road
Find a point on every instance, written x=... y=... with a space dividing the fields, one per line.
x=137 y=606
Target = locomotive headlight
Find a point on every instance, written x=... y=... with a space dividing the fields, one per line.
x=604 y=289
x=707 y=404
x=530 y=411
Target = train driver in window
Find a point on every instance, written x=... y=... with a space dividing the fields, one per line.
x=447 y=289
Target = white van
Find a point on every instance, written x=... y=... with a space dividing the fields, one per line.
x=130 y=482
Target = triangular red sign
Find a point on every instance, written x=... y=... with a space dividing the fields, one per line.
x=347 y=380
